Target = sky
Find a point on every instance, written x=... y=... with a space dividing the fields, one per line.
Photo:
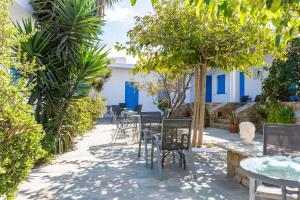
x=119 y=20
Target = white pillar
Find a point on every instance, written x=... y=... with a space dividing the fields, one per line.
x=234 y=86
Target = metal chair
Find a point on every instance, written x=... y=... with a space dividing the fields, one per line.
x=122 y=126
x=107 y=114
x=122 y=105
x=138 y=108
x=150 y=123
x=117 y=110
x=280 y=139
x=174 y=137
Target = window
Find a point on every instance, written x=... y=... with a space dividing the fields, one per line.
x=221 y=84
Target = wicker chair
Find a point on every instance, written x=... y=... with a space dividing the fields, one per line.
x=175 y=137
x=280 y=139
x=150 y=123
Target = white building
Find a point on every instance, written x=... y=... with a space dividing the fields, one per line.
x=220 y=86
x=232 y=86
x=120 y=89
x=20 y=9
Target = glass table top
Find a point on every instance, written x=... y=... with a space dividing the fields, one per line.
x=275 y=167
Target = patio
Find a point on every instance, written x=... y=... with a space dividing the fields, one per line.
x=96 y=170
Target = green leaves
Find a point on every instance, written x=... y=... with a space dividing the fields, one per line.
x=133 y=2
x=68 y=48
x=175 y=37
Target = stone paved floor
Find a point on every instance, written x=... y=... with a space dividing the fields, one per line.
x=96 y=170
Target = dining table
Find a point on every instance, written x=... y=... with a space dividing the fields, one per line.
x=282 y=171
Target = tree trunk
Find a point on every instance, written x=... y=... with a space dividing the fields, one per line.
x=196 y=106
x=202 y=105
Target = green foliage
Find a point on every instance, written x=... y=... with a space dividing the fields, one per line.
x=274 y=112
x=175 y=38
x=283 y=74
x=279 y=114
x=82 y=114
x=65 y=42
x=163 y=105
x=170 y=89
x=283 y=15
x=20 y=135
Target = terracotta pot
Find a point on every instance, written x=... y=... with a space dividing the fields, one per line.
x=187 y=114
x=233 y=128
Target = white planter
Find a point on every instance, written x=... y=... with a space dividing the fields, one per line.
x=247 y=132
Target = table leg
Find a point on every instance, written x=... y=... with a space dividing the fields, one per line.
x=283 y=189
x=251 y=188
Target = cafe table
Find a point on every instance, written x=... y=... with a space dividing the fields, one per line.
x=281 y=171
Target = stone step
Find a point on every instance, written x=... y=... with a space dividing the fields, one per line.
x=223 y=121
x=219 y=125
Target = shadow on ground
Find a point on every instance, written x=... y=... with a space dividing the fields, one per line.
x=114 y=172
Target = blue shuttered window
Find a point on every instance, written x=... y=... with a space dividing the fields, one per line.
x=221 y=84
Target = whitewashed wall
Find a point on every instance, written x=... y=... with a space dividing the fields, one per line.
x=114 y=89
x=20 y=9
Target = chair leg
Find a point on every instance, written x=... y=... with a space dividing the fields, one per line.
x=152 y=154
x=146 y=147
x=163 y=159
x=159 y=163
x=180 y=160
x=115 y=136
x=140 y=144
x=173 y=157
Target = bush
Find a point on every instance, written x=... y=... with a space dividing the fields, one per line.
x=20 y=136
x=82 y=115
x=279 y=114
x=163 y=105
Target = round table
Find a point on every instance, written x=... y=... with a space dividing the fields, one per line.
x=278 y=170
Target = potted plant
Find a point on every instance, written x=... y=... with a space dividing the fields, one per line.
x=233 y=126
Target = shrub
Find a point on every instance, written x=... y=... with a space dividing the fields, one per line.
x=82 y=115
x=20 y=136
x=279 y=114
x=163 y=105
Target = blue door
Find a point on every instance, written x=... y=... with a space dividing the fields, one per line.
x=242 y=85
x=208 y=95
x=131 y=95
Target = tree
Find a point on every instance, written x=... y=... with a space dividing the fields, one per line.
x=170 y=89
x=65 y=44
x=283 y=80
x=101 y=4
x=281 y=14
x=174 y=37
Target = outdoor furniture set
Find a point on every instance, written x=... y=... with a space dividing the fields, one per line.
x=167 y=136
x=276 y=175
x=277 y=170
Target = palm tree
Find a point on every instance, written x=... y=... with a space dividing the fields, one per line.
x=64 y=41
x=101 y=4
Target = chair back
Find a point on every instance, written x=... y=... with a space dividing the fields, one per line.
x=138 y=108
x=151 y=121
x=166 y=113
x=122 y=105
x=176 y=134
x=114 y=118
x=116 y=109
x=281 y=139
